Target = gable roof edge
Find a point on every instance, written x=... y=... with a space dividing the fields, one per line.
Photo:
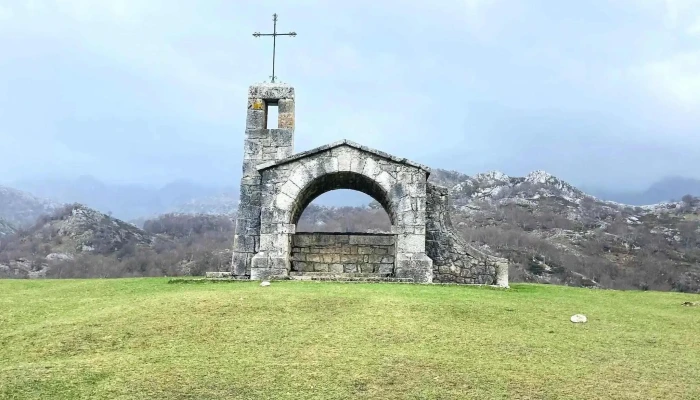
x=303 y=154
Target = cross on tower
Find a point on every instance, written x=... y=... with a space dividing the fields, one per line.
x=274 y=35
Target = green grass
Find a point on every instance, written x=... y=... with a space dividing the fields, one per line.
x=145 y=338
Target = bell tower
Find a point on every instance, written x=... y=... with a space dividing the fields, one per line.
x=262 y=144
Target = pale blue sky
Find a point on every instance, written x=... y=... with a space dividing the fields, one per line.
x=600 y=93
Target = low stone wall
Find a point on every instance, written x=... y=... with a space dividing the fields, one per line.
x=343 y=252
x=454 y=260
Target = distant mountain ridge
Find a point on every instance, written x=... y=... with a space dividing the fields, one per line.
x=665 y=190
x=138 y=203
x=19 y=208
x=127 y=202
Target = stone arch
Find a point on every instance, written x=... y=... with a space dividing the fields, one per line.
x=289 y=186
x=341 y=180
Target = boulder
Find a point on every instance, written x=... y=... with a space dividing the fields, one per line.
x=579 y=319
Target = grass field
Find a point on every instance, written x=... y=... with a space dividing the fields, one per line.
x=145 y=338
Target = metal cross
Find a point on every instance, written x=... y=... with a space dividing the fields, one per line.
x=274 y=35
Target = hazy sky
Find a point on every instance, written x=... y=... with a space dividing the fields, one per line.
x=600 y=93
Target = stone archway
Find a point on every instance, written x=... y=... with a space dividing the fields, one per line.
x=342 y=253
x=289 y=185
x=341 y=180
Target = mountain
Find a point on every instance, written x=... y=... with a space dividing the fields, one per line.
x=128 y=202
x=218 y=204
x=60 y=236
x=667 y=189
x=80 y=242
x=554 y=232
x=20 y=208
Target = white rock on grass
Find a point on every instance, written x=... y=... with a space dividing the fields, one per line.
x=579 y=318
x=265 y=283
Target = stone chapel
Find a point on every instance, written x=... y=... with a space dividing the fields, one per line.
x=277 y=185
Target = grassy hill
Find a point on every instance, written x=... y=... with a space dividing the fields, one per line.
x=146 y=338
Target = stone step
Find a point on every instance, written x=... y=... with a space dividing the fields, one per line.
x=340 y=274
x=347 y=278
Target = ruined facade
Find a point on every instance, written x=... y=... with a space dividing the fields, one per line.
x=278 y=185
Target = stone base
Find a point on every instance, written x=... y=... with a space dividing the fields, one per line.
x=418 y=267
x=241 y=262
x=502 y=274
x=264 y=266
x=216 y=274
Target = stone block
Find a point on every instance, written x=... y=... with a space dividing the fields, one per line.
x=372 y=240
x=281 y=137
x=252 y=150
x=357 y=164
x=385 y=180
x=285 y=120
x=374 y=258
x=321 y=267
x=257 y=134
x=216 y=274
x=314 y=258
x=371 y=169
x=345 y=158
x=300 y=176
x=349 y=258
x=366 y=250
x=241 y=263
x=285 y=106
x=274 y=242
x=298 y=266
x=410 y=243
x=419 y=267
x=367 y=268
x=336 y=268
x=265 y=274
x=271 y=91
x=255 y=119
x=284 y=202
x=302 y=240
x=350 y=268
x=386 y=269
x=380 y=250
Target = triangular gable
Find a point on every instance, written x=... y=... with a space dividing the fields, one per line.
x=345 y=142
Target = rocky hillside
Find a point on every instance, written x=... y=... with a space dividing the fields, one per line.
x=20 y=208
x=69 y=231
x=6 y=228
x=555 y=233
x=77 y=241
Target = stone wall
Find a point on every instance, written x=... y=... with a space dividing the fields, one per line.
x=454 y=260
x=343 y=253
